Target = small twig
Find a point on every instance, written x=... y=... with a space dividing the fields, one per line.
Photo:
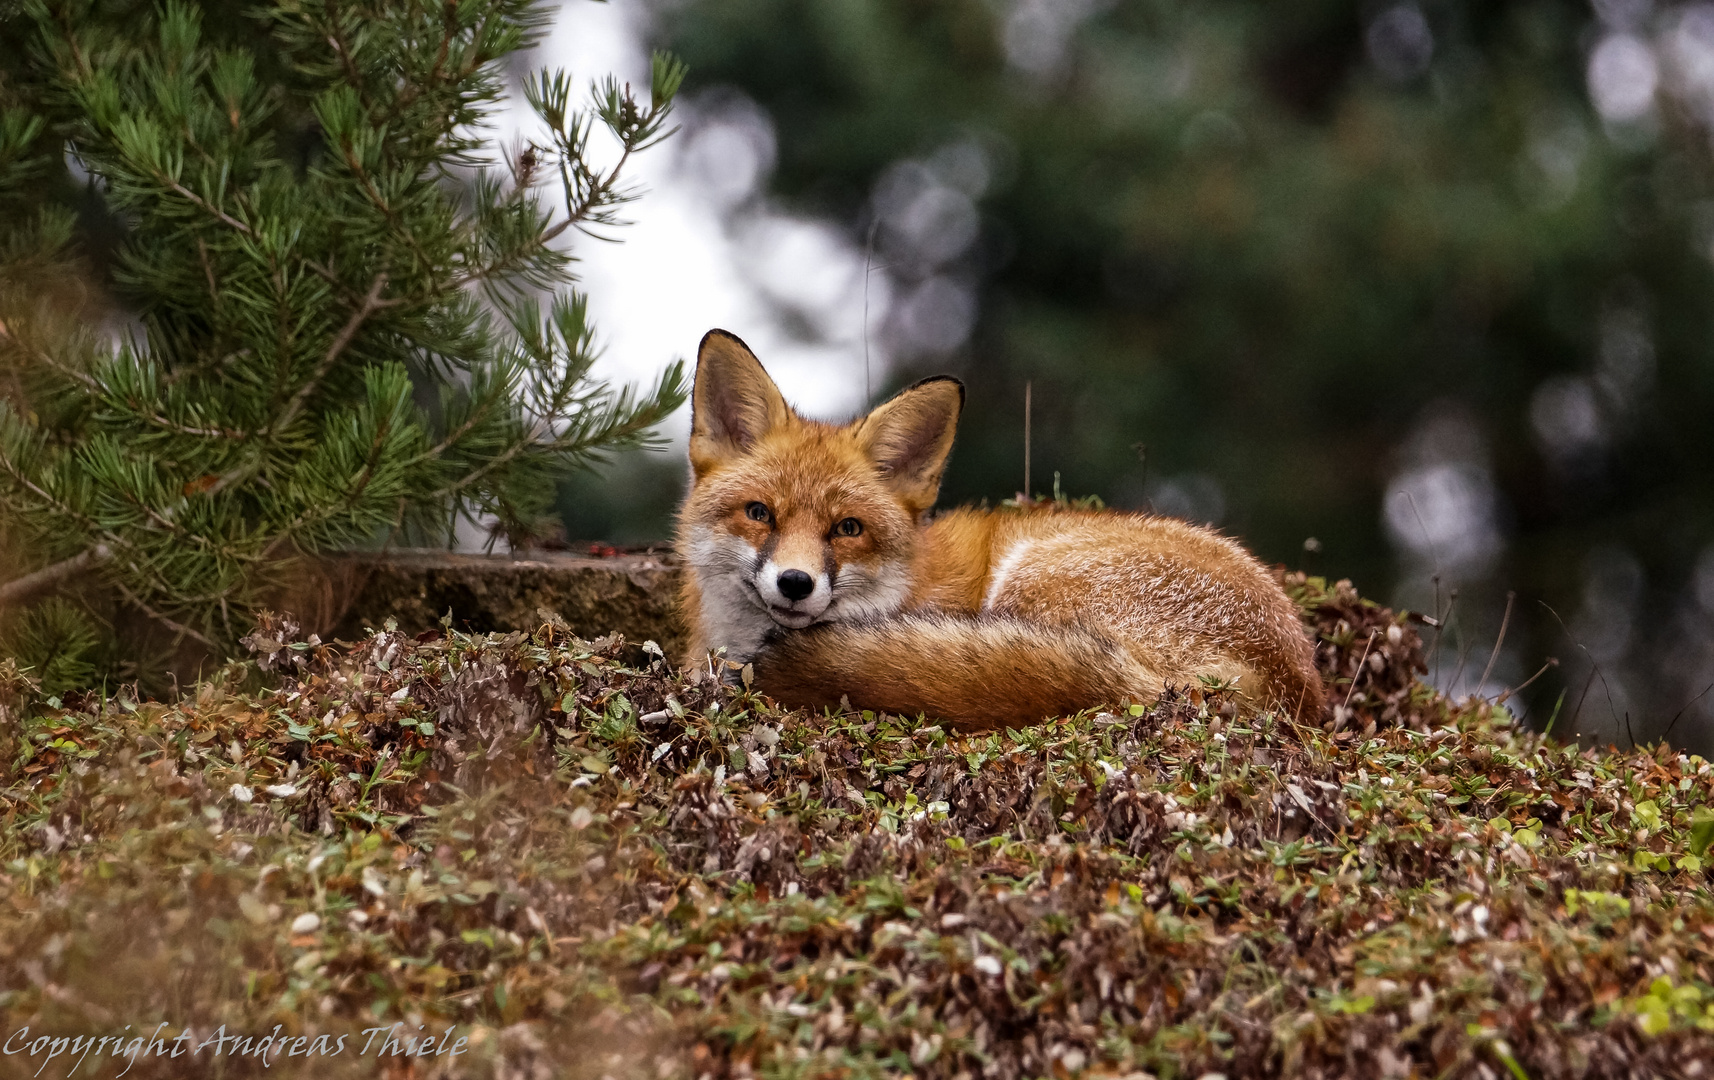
x=364 y=476
x=1463 y=658
x=39 y=581
x=208 y=271
x=319 y=269
x=1439 y=620
x=168 y=424
x=1681 y=712
x=171 y=624
x=1441 y=628
x=10 y=468
x=590 y=191
x=1028 y=497
x=203 y=204
x=512 y=451
x=1552 y=662
x=1501 y=640
x=387 y=211
x=638 y=423
x=581 y=210
x=166 y=524
x=1352 y=689
x=476 y=416
x=868 y=269
x=1434 y=556
x=1595 y=673
x=1581 y=697
x=42 y=356
x=352 y=75
x=1427 y=537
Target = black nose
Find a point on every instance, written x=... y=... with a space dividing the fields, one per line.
x=795 y=584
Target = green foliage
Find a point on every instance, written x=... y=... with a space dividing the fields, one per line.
x=56 y=643
x=351 y=321
x=1666 y=1006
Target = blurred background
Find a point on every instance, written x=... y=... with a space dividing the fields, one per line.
x=1414 y=292
x=1418 y=293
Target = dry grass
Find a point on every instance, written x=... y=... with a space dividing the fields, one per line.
x=596 y=869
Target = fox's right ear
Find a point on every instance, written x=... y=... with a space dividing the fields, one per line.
x=734 y=403
x=910 y=437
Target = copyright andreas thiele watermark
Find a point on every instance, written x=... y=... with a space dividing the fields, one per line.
x=73 y=1050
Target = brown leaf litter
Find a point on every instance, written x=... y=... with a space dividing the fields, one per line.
x=589 y=866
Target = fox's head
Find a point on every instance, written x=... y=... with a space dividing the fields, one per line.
x=791 y=522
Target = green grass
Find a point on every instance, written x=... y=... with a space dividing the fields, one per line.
x=590 y=868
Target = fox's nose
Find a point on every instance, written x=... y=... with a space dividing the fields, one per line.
x=795 y=584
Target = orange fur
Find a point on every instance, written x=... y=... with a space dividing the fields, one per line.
x=809 y=554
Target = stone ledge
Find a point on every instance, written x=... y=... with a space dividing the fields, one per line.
x=634 y=593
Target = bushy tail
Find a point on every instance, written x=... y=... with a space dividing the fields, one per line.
x=969 y=672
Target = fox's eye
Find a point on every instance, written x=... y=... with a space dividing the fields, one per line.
x=848 y=527
x=758 y=512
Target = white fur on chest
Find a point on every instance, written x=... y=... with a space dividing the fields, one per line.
x=1002 y=571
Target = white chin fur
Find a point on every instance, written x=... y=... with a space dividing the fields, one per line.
x=795 y=614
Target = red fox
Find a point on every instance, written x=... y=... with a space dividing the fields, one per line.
x=810 y=555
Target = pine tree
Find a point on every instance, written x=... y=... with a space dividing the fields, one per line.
x=352 y=321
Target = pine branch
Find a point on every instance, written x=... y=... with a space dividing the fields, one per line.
x=472 y=422
x=371 y=303
x=364 y=476
x=204 y=205
x=588 y=193
x=171 y=624
x=47 y=359
x=166 y=181
x=353 y=77
x=10 y=468
x=49 y=577
x=387 y=211
x=101 y=390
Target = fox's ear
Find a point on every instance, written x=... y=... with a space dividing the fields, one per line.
x=734 y=403
x=910 y=437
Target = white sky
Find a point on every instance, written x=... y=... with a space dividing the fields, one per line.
x=705 y=250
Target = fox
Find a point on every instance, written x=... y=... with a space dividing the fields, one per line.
x=811 y=555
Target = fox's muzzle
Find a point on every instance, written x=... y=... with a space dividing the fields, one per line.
x=794 y=597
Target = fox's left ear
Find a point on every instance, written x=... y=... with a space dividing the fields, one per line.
x=910 y=437
x=733 y=402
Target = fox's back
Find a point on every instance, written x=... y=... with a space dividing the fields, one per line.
x=1182 y=594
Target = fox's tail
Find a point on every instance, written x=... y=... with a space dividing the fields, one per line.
x=969 y=672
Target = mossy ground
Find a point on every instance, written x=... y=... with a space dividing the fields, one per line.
x=593 y=867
